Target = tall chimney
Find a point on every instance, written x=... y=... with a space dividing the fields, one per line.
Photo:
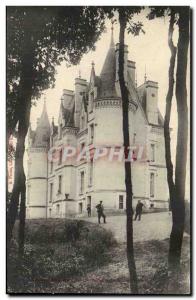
x=131 y=70
x=80 y=88
x=152 y=101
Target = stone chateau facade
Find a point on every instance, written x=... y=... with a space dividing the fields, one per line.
x=91 y=116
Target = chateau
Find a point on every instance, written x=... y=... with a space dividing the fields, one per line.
x=91 y=116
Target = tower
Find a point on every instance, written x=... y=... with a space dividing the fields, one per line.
x=38 y=142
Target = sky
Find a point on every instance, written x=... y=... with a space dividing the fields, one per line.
x=150 y=51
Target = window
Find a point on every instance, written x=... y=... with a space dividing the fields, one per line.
x=89 y=200
x=82 y=182
x=51 y=192
x=120 y=201
x=58 y=209
x=60 y=156
x=152 y=152
x=60 y=131
x=82 y=122
x=91 y=172
x=151 y=184
x=50 y=212
x=91 y=101
x=82 y=146
x=91 y=133
x=51 y=166
x=60 y=184
x=80 y=208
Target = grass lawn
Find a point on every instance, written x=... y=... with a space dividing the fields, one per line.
x=73 y=268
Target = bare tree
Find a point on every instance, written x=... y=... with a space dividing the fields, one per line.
x=180 y=16
x=127 y=164
x=178 y=202
x=169 y=97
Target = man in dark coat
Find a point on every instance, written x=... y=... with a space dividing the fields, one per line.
x=138 y=210
x=100 y=212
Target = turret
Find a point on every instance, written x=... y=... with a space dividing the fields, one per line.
x=148 y=93
x=38 y=168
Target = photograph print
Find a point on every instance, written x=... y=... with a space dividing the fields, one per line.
x=98 y=198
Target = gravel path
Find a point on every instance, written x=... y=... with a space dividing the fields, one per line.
x=152 y=226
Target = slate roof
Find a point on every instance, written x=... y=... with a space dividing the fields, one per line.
x=108 y=74
x=42 y=132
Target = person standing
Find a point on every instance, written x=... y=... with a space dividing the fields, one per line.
x=100 y=212
x=89 y=210
x=138 y=210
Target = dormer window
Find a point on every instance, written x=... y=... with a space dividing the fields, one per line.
x=60 y=131
x=82 y=122
x=91 y=101
x=51 y=166
x=152 y=185
x=152 y=152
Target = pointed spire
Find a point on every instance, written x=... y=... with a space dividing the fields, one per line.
x=108 y=72
x=79 y=73
x=112 y=35
x=42 y=132
x=92 y=77
x=43 y=120
x=136 y=79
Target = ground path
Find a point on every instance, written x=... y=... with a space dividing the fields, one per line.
x=151 y=244
x=153 y=226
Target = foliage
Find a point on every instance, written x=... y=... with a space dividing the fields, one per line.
x=53 y=34
x=51 y=255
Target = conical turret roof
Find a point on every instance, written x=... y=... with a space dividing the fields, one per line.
x=42 y=133
x=44 y=121
x=108 y=73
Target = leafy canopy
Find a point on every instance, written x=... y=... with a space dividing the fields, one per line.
x=51 y=35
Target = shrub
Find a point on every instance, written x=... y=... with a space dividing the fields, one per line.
x=56 y=251
x=73 y=230
x=94 y=246
x=49 y=232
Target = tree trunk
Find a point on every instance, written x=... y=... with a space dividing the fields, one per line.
x=128 y=182
x=178 y=205
x=21 y=233
x=14 y=202
x=26 y=84
x=169 y=97
x=19 y=176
